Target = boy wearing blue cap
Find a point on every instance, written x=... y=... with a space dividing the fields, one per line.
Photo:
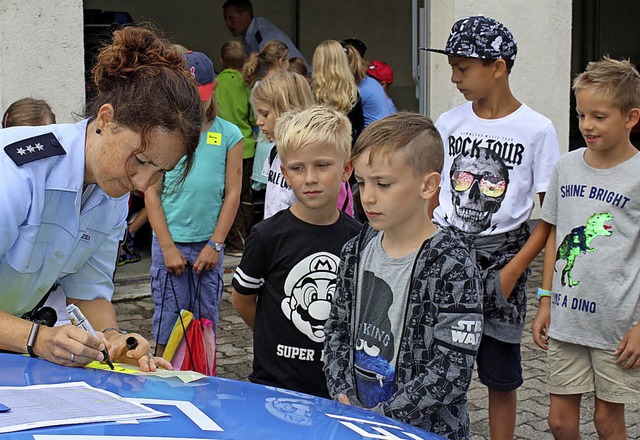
x=497 y=151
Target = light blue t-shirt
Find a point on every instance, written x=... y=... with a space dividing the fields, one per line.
x=374 y=100
x=263 y=149
x=192 y=209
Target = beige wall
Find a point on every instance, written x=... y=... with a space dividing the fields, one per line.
x=542 y=72
x=41 y=54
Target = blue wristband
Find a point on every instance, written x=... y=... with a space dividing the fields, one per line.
x=218 y=247
x=542 y=293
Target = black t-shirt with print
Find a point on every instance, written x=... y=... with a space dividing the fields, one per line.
x=291 y=265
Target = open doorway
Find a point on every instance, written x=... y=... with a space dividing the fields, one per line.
x=602 y=27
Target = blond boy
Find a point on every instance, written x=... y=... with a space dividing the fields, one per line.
x=589 y=322
x=286 y=280
x=406 y=322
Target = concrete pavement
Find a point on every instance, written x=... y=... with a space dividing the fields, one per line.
x=134 y=306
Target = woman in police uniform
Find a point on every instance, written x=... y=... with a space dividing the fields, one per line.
x=64 y=191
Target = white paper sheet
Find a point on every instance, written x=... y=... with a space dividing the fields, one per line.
x=69 y=403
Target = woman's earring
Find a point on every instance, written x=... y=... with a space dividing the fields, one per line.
x=98 y=131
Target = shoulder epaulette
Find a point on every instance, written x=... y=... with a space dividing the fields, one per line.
x=34 y=148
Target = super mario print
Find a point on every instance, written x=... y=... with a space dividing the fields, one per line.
x=309 y=289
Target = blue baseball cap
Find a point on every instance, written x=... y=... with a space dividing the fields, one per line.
x=201 y=67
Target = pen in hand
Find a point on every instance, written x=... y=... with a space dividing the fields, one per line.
x=79 y=320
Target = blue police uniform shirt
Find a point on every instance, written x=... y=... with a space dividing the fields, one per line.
x=261 y=31
x=47 y=233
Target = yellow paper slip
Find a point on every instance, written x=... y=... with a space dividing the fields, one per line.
x=184 y=376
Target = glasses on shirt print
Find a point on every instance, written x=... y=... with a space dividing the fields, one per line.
x=490 y=185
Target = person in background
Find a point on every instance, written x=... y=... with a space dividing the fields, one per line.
x=357 y=43
x=272 y=97
x=136 y=219
x=272 y=59
x=191 y=217
x=374 y=100
x=334 y=85
x=64 y=195
x=498 y=152
x=285 y=282
x=28 y=111
x=383 y=73
x=255 y=31
x=298 y=66
x=406 y=317
x=234 y=104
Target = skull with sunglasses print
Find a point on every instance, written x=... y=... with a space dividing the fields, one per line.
x=478 y=186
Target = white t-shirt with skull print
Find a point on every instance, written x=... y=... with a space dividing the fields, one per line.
x=492 y=167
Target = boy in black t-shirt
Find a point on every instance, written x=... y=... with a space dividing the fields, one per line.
x=286 y=280
x=406 y=321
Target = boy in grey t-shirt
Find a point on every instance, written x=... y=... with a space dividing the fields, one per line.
x=402 y=336
x=590 y=322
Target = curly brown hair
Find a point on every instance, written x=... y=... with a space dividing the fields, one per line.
x=145 y=79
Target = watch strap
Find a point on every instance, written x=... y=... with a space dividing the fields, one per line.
x=32 y=339
x=218 y=247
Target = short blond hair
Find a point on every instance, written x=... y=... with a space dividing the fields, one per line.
x=283 y=92
x=411 y=133
x=616 y=81
x=316 y=124
x=233 y=55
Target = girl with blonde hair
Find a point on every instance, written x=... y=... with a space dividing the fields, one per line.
x=333 y=84
x=191 y=217
x=273 y=58
x=272 y=97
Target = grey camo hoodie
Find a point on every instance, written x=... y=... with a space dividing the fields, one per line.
x=442 y=330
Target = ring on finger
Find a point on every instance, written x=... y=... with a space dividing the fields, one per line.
x=73 y=358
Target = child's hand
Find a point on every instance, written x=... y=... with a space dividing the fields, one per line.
x=540 y=324
x=628 y=352
x=174 y=260
x=342 y=398
x=508 y=281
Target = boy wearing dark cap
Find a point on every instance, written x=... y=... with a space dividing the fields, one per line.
x=497 y=151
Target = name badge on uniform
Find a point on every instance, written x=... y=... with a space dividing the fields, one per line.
x=214 y=138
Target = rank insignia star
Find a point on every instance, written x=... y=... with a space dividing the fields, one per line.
x=35 y=148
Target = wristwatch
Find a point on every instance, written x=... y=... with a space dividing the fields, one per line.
x=32 y=339
x=218 y=247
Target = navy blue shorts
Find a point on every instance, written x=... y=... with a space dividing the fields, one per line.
x=499 y=364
